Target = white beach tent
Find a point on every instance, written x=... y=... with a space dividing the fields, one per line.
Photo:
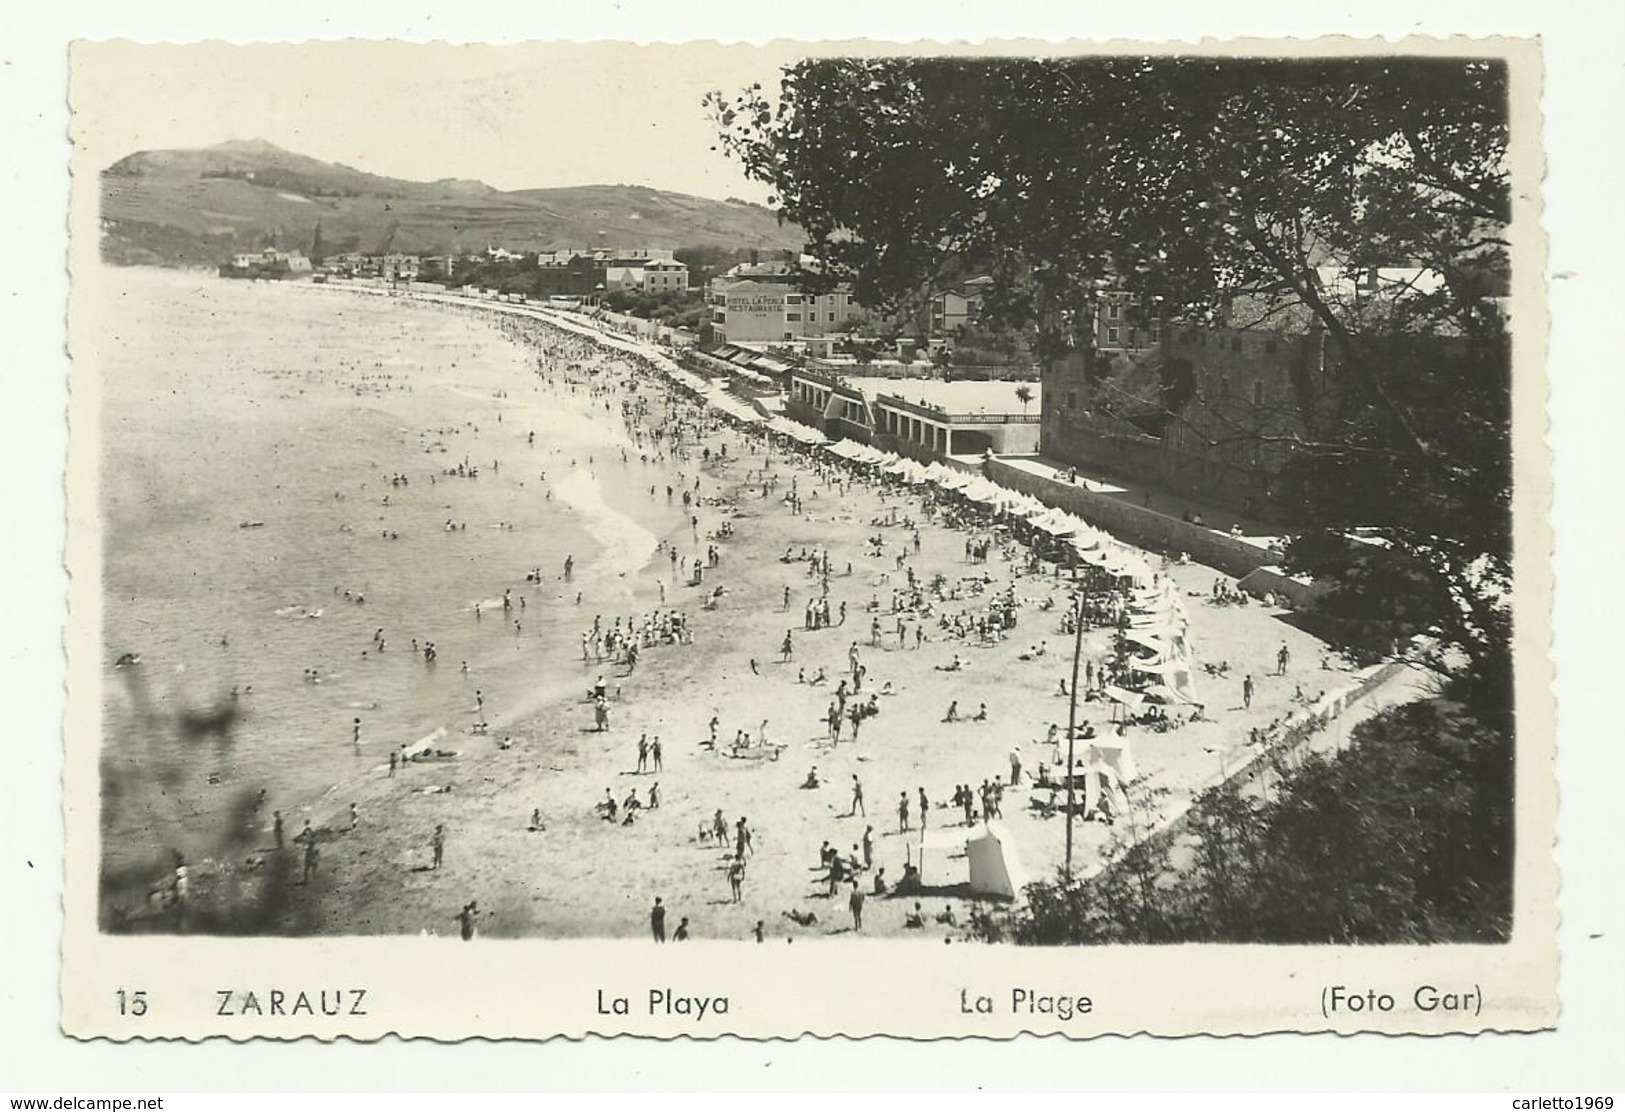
x=797 y=431
x=1109 y=766
x=909 y=471
x=1025 y=505
x=978 y=489
x=995 y=868
x=990 y=855
x=1053 y=522
x=946 y=477
x=1145 y=640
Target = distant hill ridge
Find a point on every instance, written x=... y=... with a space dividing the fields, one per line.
x=196 y=207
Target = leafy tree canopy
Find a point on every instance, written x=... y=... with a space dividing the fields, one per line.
x=1198 y=184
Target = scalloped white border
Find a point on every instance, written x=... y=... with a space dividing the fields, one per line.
x=26 y=462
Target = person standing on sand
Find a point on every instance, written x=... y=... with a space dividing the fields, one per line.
x=736 y=879
x=681 y=933
x=394 y=759
x=437 y=846
x=857 y=796
x=925 y=809
x=466 y=918
x=657 y=920
x=643 y=754
x=654 y=753
x=1247 y=692
x=1281 y=657
x=868 y=847
x=276 y=828
x=855 y=902
x=902 y=812
x=787 y=649
x=311 y=856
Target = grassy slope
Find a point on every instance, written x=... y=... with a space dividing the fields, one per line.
x=157 y=207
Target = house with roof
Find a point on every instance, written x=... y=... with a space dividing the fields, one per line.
x=749 y=310
x=1242 y=392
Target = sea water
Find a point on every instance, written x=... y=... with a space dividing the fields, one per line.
x=250 y=432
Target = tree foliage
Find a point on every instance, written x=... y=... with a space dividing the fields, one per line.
x=1197 y=184
x=1405 y=837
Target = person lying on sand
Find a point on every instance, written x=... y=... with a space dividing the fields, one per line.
x=801 y=918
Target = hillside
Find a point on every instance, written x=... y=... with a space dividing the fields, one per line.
x=196 y=207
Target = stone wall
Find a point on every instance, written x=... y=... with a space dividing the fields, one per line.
x=919 y=453
x=1329 y=723
x=1015 y=438
x=1137 y=525
x=806 y=414
x=1101 y=445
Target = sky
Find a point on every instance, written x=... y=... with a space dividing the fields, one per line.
x=515 y=117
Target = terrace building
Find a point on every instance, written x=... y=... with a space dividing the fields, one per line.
x=754 y=311
x=925 y=419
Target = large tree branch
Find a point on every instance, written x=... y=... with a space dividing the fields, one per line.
x=1490 y=206
x=1295 y=274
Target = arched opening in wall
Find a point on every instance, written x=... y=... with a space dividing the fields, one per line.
x=972 y=442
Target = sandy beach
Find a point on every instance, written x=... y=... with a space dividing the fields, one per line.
x=541 y=756
x=585 y=876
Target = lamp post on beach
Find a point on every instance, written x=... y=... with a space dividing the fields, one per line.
x=1072 y=726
